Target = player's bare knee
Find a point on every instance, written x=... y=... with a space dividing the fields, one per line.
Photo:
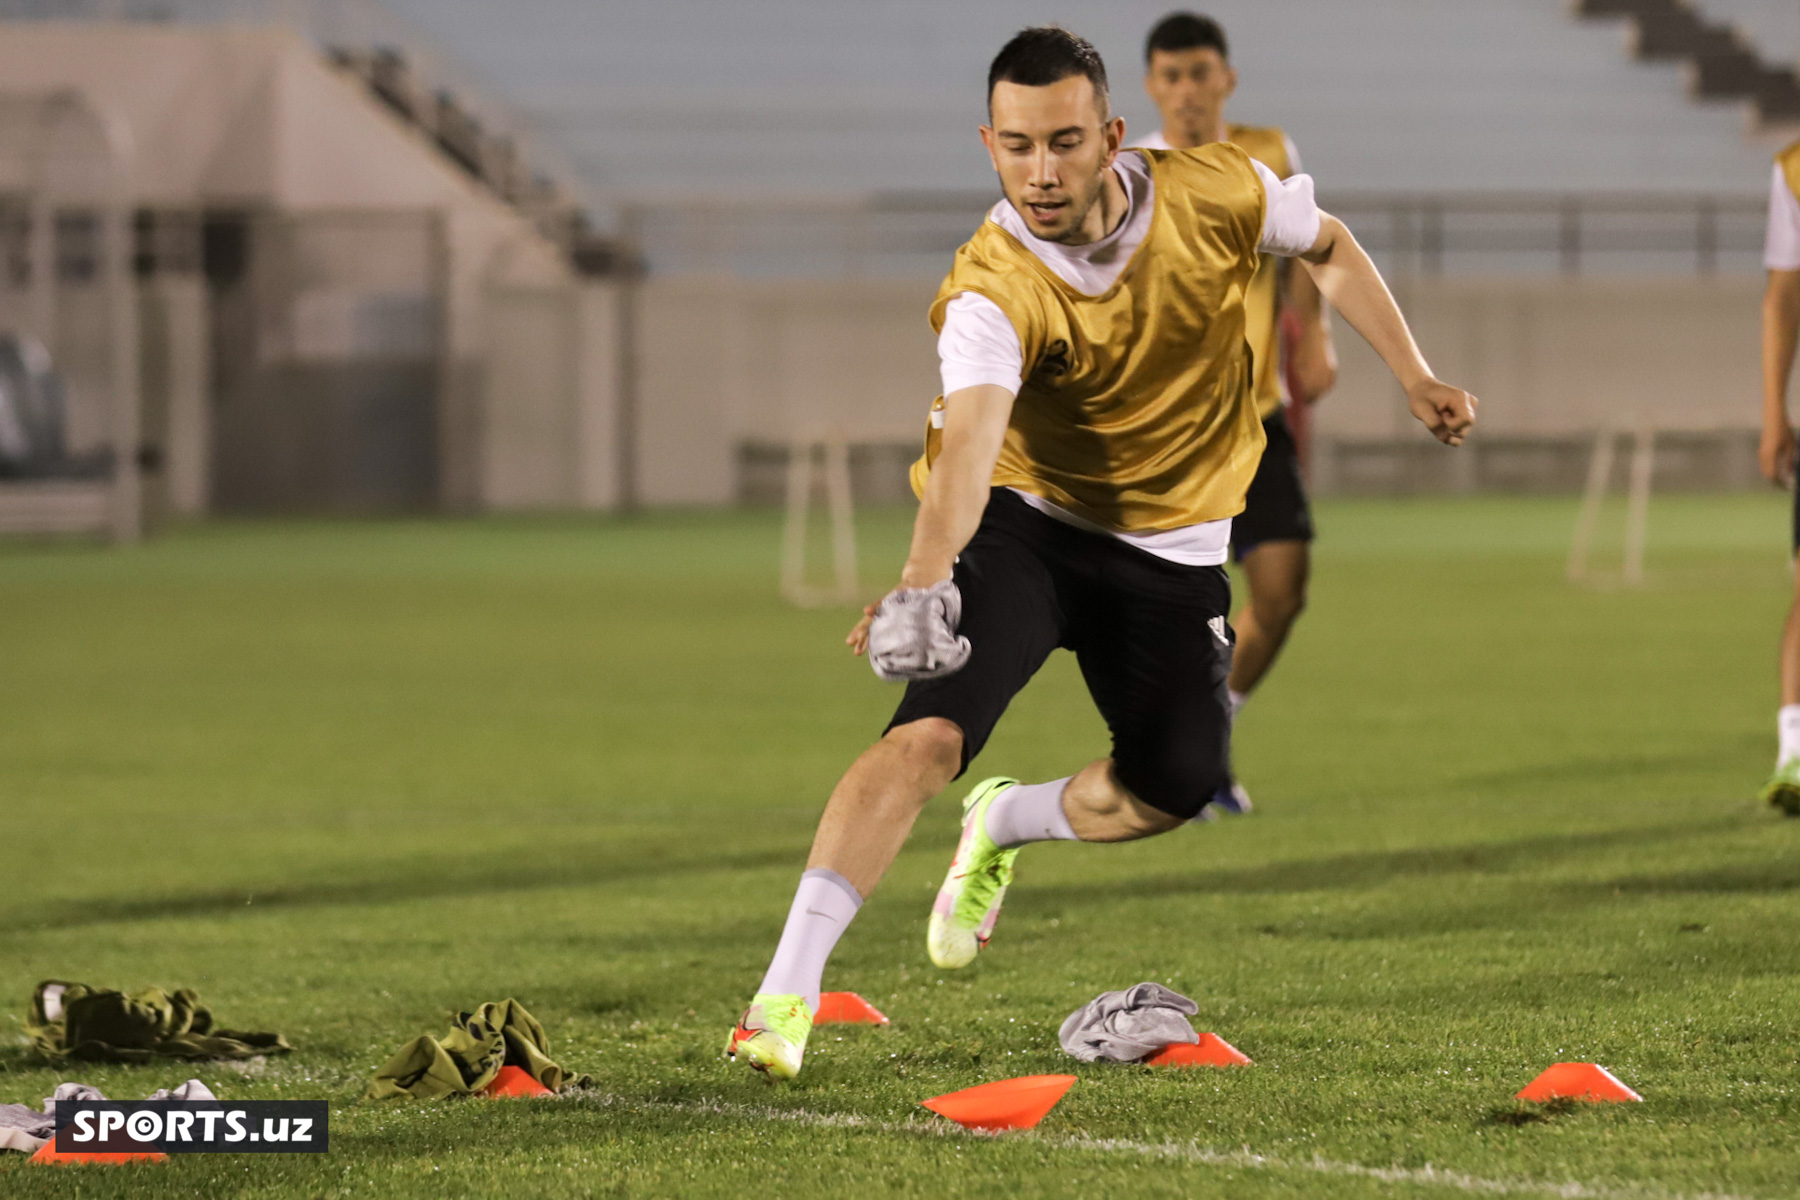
x=932 y=744
x=1278 y=612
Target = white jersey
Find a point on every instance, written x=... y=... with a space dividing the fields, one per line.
x=1781 y=245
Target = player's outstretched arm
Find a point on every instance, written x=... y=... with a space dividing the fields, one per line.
x=1348 y=279
x=956 y=492
x=1780 y=332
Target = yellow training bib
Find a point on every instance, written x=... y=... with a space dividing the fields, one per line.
x=1789 y=161
x=1137 y=410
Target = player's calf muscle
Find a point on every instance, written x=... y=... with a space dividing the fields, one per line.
x=873 y=806
x=1101 y=809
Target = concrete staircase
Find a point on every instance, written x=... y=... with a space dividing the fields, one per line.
x=1724 y=65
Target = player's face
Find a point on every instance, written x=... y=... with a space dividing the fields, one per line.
x=1189 y=88
x=1051 y=147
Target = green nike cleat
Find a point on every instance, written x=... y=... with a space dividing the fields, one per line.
x=963 y=916
x=771 y=1035
x=1783 y=788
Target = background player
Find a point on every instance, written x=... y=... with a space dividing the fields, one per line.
x=1780 y=326
x=1093 y=514
x=1189 y=76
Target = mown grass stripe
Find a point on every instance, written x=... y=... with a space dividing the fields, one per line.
x=1187 y=1152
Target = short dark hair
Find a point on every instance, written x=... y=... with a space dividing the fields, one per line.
x=1187 y=31
x=1047 y=54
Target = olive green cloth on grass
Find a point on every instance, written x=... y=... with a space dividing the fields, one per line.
x=467 y=1059
x=75 y=1021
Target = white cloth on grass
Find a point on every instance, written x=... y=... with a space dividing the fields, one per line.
x=25 y=1129
x=1130 y=1025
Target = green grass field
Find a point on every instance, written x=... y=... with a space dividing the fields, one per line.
x=345 y=778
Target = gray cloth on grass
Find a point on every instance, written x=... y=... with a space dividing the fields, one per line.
x=20 y=1140
x=1129 y=1025
x=24 y=1128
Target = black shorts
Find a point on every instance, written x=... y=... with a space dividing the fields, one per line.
x=1151 y=638
x=1275 y=507
x=1796 y=477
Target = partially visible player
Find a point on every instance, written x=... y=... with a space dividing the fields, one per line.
x=1094 y=440
x=1188 y=73
x=1780 y=328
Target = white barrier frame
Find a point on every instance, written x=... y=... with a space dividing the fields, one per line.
x=804 y=475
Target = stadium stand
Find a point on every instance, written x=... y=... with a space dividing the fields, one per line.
x=1773 y=26
x=368 y=285
x=1723 y=61
x=1406 y=96
x=495 y=160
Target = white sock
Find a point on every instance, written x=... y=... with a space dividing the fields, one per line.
x=1030 y=812
x=1238 y=700
x=824 y=904
x=1788 y=722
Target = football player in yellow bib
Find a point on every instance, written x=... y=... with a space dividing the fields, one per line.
x=1096 y=435
x=1781 y=331
x=1189 y=76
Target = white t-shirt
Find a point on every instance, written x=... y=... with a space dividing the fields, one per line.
x=1781 y=247
x=978 y=344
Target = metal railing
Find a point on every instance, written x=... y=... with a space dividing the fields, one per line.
x=1430 y=236
x=1566 y=235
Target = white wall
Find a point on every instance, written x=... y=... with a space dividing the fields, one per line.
x=1563 y=356
x=725 y=361
x=550 y=400
x=176 y=392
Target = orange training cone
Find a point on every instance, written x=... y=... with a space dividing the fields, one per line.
x=1005 y=1104
x=1577 y=1081
x=516 y=1081
x=847 y=1008
x=1213 y=1051
x=48 y=1153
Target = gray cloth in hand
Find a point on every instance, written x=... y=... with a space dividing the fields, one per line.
x=1129 y=1025
x=24 y=1128
x=913 y=635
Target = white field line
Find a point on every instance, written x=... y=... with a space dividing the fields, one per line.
x=1187 y=1152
